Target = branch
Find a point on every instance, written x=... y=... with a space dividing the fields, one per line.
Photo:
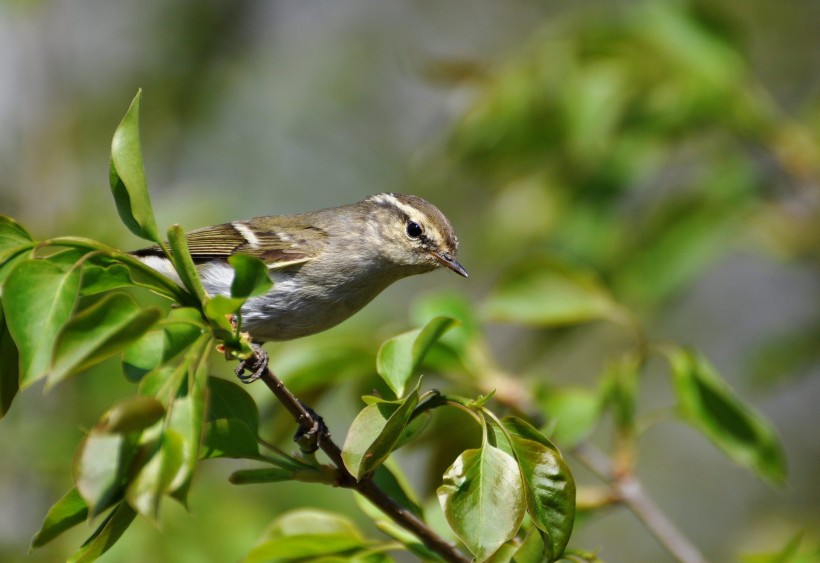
x=407 y=520
x=630 y=492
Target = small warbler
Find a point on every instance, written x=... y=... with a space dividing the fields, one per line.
x=325 y=265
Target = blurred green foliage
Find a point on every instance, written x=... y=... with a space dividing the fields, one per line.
x=615 y=160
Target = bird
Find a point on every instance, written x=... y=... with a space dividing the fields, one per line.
x=325 y=265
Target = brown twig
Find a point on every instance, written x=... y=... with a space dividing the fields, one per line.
x=629 y=491
x=365 y=487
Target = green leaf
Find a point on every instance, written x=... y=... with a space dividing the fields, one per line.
x=546 y=293
x=106 y=535
x=401 y=356
x=10 y=261
x=389 y=478
x=164 y=342
x=261 y=475
x=306 y=534
x=38 y=298
x=184 y=264
x=549 y=483
x=707 y=402
x=250 y=276
x=233 y=422
x=483 y=499
x=65 y=514
x=619 y=390
x=131 y=415
x=375 y=432
x=219 y=310
x=127 y=176
x=13 y=237
x=187 y=419
x=145 y=491
x=98 y=469
x=98 y=332
x=573 y=411
x=9 y=367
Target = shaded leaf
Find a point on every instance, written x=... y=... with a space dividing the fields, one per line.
x=543 y=292
x=131 y=415
x=400 y=356
x=375 y=432
x=164 y=342
x=106 y=535
x=233 y=422
x=261 y=475
x=250 y=276
x=127 y=176
x=9 y=367
x=98 y=332
x=63 y=515
x=390 y=479
x=707 y=402
x=145 y=491
x=483 y=499
x=549 y=483
x=38 y=298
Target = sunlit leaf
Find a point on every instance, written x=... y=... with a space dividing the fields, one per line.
x=98 y=332
x=483 y=499
x=187 y=419
x=401 y=356
x=127 y=176
x=98 y=469
x=38 y=298
x=375 y=432
x=63 y=515
x=549 y=483
x=184 y=264
x=250 y=276
x=12 y=236
x=707 y=402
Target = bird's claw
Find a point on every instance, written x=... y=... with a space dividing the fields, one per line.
x=309 y=435
x=256 y=365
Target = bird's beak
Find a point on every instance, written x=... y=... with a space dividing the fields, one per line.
x=447 y=260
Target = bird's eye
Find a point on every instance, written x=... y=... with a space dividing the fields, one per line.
x=413 y=230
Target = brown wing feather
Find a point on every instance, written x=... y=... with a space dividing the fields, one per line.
x=293 y=243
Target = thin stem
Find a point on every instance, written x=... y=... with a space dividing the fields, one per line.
x=631 y=493
x=366 y=487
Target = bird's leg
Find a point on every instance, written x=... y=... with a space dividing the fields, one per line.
x=256 y=365
x=309 y=435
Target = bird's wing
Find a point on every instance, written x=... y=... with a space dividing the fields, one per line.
x=293 y=243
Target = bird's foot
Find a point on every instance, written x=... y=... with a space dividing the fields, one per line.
x=256 y=365
x=309 y=435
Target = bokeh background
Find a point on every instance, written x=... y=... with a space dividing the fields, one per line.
x=669 y=147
